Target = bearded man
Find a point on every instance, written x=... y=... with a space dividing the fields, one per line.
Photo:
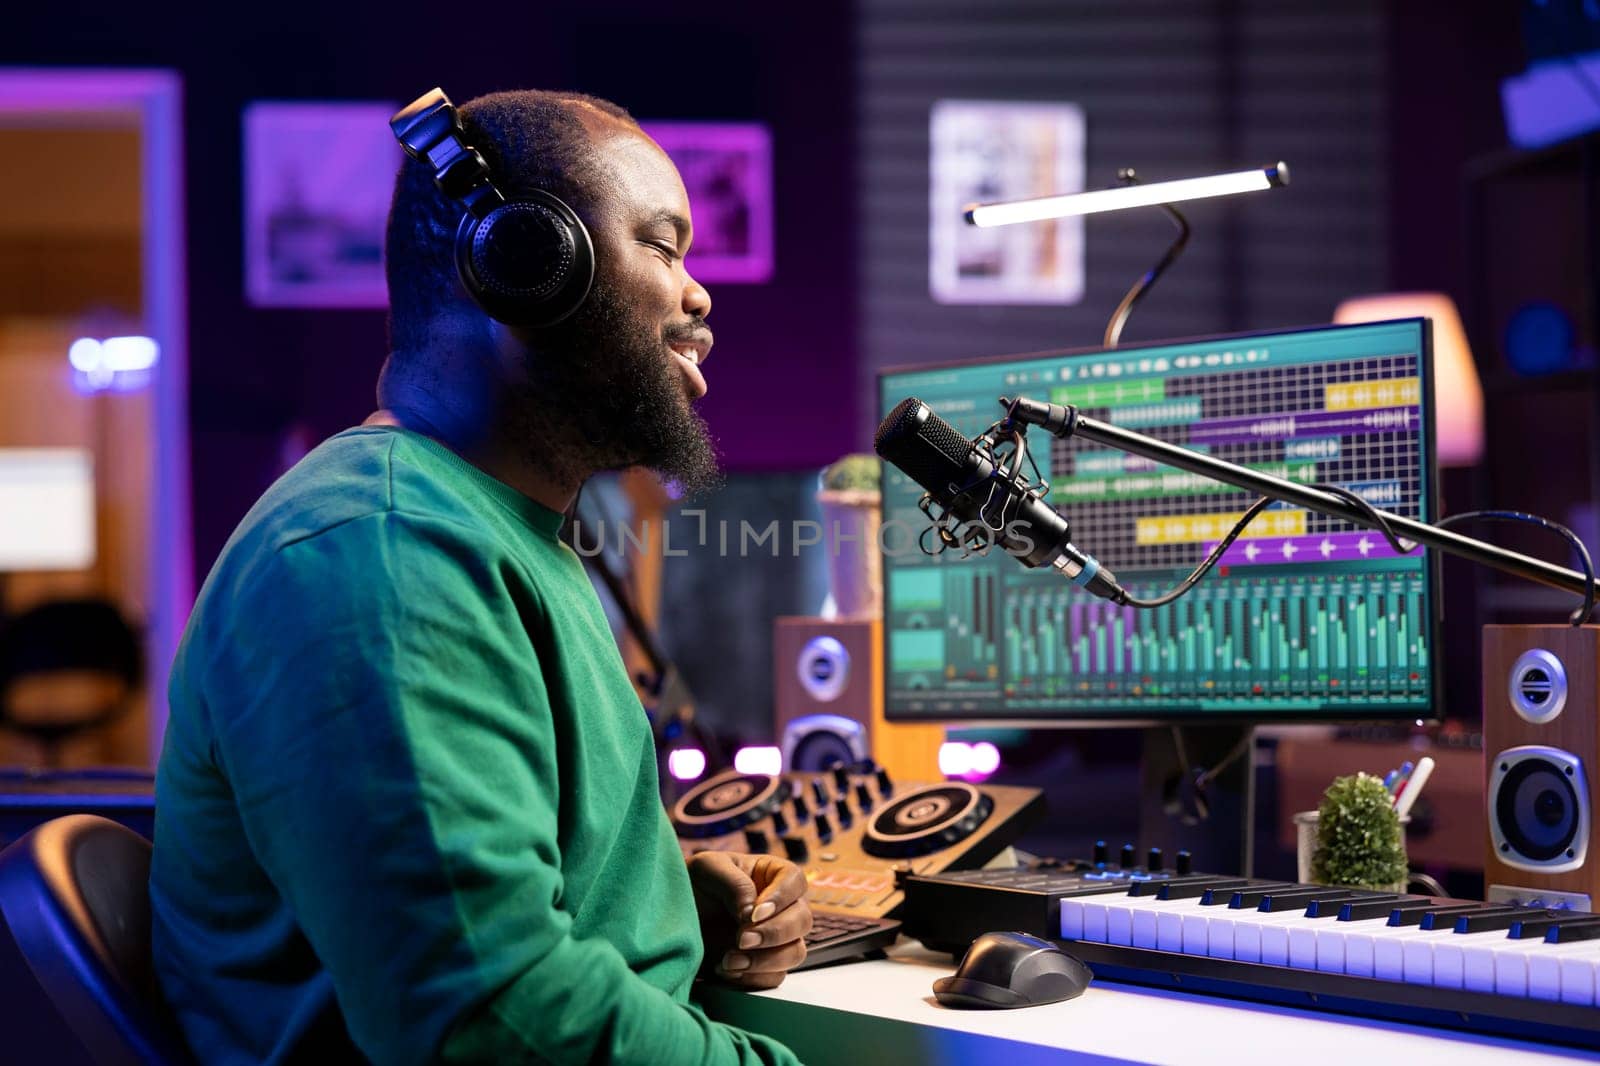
x=407 y=804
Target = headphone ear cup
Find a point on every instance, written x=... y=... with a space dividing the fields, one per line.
x=529 y=262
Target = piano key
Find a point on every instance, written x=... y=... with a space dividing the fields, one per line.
x=1331 y=908
x=1360 y=910
x=1195 y=888
x=1388 y=950
x=1580 y=974
x=1485 y=960
x=1154 y=886
x=1071 y=914
x=1261 y=936
x=1532 y=926
x=1570 y=932
x=1399 y=917
x=1467 y=958
x=1300 y=899
x=1530 y=967
x=1249 y=898
x=1488 y=920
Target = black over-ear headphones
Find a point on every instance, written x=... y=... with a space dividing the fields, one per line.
x=527 y=260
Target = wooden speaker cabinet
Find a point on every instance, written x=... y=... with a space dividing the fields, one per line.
x=826 y=670
x=1541 y=742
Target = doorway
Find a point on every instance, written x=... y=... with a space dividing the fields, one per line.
x=93 y=377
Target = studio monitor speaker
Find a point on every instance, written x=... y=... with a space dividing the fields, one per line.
x=828 y=697
x=1541 y=741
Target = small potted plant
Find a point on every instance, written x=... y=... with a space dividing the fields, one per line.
x=1359 y=842
x=851 y=511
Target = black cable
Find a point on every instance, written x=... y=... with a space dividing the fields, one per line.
x=1378 y=519
x=1582 y=613
x=1211 y=560
x=1209 y=774
x=1375 y=516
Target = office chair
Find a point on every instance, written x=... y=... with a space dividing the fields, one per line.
x=74 y=893
x=67 y=666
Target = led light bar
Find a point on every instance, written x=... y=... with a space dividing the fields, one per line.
x=1161 y=192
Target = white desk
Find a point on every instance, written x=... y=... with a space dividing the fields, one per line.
x=883 y=1013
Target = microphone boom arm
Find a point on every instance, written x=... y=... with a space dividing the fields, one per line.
x=1064 y=421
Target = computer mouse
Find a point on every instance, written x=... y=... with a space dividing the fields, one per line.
x=1003 y=970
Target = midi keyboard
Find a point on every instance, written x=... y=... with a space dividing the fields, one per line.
x=1520 y=971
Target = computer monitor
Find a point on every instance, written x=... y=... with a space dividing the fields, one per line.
x=46 y=509
x=1305 y=617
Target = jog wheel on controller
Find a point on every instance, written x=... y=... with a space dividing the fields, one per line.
x=727 y=803
x=929 y=818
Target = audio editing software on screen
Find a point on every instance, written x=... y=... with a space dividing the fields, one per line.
x=1304 y=616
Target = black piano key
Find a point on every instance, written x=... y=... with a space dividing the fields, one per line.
x=1572 y=932
x=1195 y=887
x=1332 y=908
x=1360 y=910
x=1535 y=924
x=1298 y=899
x=1440 y=920
x=1154 y=885
x=1399 y=916
x=1250 y=896
x=1489 y=919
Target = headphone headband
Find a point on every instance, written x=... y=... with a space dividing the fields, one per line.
x=527 y=261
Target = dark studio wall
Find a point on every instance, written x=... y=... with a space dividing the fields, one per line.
x=784 y=349
x=1173 y=88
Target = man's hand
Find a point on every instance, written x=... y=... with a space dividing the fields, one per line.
x=753 y=916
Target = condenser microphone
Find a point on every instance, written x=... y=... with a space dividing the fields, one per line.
x=966 y=483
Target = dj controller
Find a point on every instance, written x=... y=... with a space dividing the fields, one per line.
x=855 y=833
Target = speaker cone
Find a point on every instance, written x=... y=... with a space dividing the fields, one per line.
x=1539 y=809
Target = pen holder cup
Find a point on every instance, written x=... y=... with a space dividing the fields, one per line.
x=1305 y=842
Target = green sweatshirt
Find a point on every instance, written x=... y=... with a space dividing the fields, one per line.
x=407 y=805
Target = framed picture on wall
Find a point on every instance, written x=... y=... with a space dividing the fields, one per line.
x=985 y=151
x=727 y=169
x=318 y=178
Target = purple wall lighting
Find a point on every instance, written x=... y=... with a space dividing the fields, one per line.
x=727 y=169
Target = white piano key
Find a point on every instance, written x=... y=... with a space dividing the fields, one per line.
x=1196 y=931
x=1329 y=953
x=1416 y=959
x=1303 y=942
x=1580 y=975
x=1359 y=958
x=1388 y=950
x=1264 y=937
x=1169 y=927
x=1562 y=972
x=1330 y=944
x=1071 y=912
x=1144 y=911
x=1512 y=960
x=1095 y=912
x=1466 y=960
x=1510 y=969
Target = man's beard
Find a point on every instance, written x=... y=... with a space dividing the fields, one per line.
x=604 y=393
